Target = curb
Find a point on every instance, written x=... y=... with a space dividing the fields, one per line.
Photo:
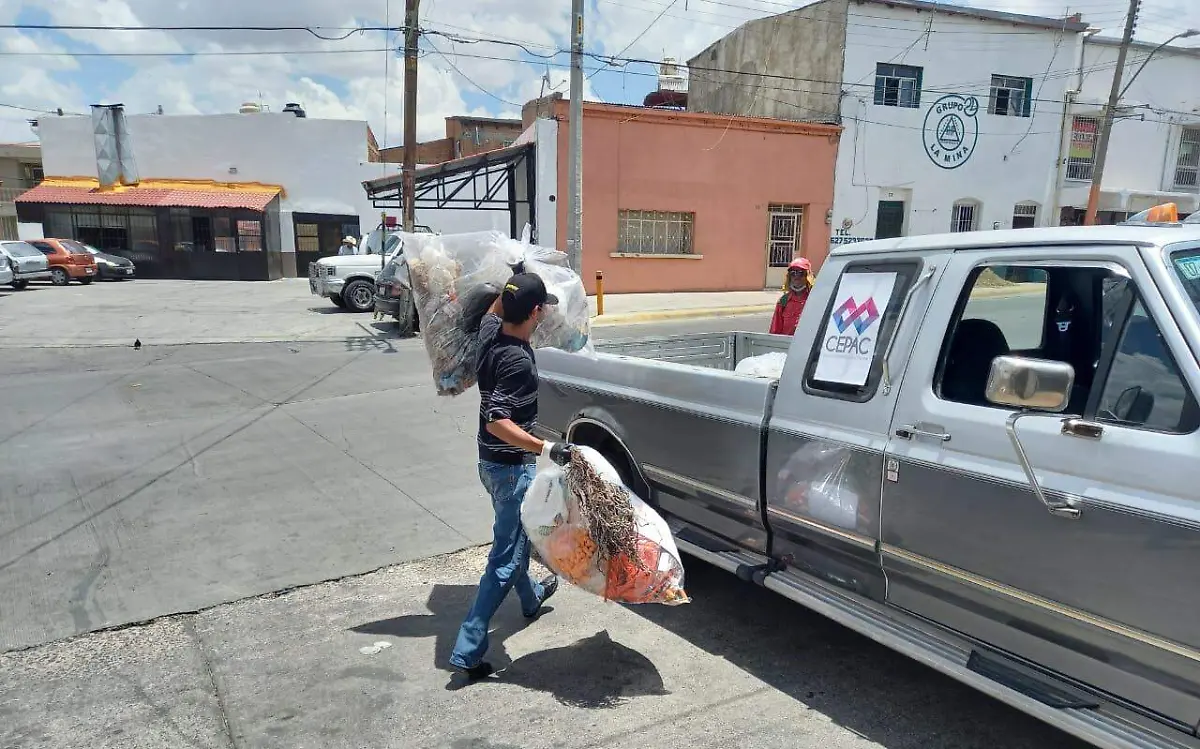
x=633 y=318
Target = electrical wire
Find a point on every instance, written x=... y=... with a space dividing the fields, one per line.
x=638 y=38
x=469 y=79
x=314 y=30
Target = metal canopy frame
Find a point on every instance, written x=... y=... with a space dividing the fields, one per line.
x=484 y=182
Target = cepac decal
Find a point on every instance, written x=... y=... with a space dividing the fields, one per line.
x=951 y=130
x=848 y=342
x=861 y=316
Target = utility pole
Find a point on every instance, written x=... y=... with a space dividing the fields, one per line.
x=575 y=165
x=408 y=170
x=1110 y=113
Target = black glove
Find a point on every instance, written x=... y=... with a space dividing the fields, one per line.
x=561 y=452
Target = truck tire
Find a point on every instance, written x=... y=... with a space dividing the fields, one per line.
x=60 y=277
x=359 y=296
x=337 y=301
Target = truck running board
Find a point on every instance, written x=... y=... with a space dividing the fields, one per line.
x=1064 y=707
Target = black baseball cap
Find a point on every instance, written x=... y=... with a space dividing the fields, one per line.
x=522 y=294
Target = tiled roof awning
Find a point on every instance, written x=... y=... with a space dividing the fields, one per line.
x=153 y=194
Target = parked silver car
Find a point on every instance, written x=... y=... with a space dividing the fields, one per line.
x=26 y=262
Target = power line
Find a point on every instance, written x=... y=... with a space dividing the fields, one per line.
x=638 y=38
x=314 y=30
x=468 y=78
x=204 y=53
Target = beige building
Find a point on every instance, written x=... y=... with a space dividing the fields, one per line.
x=20 y=169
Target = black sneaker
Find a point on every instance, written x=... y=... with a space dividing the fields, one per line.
x=549 y=587
x=475 y=673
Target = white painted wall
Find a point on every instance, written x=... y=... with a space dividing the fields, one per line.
x=1144 y=147
x=318 y=162
x=882 y=155
x=321 y=164
x=546 y=153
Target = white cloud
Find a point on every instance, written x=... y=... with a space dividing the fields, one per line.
x=354 y=85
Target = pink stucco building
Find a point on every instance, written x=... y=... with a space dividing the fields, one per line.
x=683 y=201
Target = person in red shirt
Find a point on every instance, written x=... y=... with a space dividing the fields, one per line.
x=791 y=304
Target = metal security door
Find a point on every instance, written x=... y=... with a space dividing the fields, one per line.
x=785 y=224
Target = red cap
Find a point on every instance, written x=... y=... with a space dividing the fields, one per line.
x=800 y=263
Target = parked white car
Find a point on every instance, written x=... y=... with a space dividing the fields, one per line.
x=25 y=262
x=6 y=274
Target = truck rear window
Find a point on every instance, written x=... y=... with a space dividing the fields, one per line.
x=847 y=357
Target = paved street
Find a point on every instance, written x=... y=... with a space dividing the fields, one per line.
x=361 y=663
x=186 y=481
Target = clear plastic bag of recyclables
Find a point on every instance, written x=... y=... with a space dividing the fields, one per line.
x=588 y=528
x=456 y=277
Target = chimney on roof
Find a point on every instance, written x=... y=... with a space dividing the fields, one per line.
x=1075 y=18
x=114 y=149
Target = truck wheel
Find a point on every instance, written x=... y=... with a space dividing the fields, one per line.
x=59 y=277
x=20 y=283
x=359 y=296
x=337 y=301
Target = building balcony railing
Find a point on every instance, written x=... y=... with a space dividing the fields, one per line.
x=9 y=194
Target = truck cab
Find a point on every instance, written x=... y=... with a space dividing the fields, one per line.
x=980 y=452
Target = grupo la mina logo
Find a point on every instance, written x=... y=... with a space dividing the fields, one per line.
x=951 y=130
x=853 y=315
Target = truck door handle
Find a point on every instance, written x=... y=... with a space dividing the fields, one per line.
x=1083 y=429
x=909 y=432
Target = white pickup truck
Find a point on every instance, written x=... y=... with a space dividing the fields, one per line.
x=982 y=451
x=349 y=280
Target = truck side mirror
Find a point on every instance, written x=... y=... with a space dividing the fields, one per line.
x=1034 y=386
x=1030 y=384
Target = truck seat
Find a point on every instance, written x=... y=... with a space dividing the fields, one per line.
x=976 y=343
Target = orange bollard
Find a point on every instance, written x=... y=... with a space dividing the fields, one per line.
x=599 y=293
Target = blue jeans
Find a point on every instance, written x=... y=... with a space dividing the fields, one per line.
x=508 y=562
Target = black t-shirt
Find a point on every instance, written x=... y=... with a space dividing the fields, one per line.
x=508 y=389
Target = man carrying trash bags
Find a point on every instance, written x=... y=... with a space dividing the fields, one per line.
x=508 y=390
x=486 y=302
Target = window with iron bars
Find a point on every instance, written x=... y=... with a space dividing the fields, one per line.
x=1010 y=96
x=898 y=85
x=1187 y=166
x=1024 y=215
x=1081 y=158
x=785 y=227
x=965 y=216
x=655 y=232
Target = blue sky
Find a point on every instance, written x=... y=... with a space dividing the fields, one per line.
x=346 y=78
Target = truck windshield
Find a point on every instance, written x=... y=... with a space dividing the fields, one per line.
x=1187 y=267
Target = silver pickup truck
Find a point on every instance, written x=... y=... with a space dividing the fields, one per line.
x=983 y=452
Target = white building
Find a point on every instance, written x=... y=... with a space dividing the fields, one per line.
x=1154 y=150
x=237 y=196
x=20 y=170
x=949 y=113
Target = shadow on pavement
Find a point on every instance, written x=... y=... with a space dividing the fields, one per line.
x=615 y=673
x=865 y=687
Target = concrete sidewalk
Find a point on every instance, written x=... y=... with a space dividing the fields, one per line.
x=628 y=309
x=361 y=662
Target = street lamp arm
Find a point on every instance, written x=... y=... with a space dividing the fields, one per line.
x=1153 y=52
